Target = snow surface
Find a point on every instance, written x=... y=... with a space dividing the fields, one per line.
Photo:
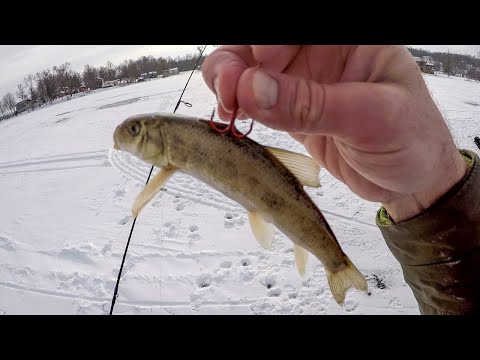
x=65 y=218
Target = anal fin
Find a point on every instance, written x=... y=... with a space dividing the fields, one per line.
x=301 y=258
x=263 y=230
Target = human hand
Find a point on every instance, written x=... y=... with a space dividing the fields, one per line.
x=363 y=112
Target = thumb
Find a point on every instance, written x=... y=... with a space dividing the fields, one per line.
x=294 y=104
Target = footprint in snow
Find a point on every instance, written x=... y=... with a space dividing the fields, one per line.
x=203 y=281
x=246 y=262
x=119 y=192
x=268 y=282
x=226 y=264
x=180 y=206
x=233 y=219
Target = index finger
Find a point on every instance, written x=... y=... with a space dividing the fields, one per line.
x=222 y=70
x=224 y=66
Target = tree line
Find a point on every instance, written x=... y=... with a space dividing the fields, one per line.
x=44 y=85
x=466 y=66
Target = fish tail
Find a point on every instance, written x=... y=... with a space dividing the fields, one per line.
x=341 y=280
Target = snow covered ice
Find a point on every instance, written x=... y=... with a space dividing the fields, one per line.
x=65 y=217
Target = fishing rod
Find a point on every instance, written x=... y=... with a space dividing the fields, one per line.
x=115 y=293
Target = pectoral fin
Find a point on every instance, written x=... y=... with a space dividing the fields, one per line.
x=263 y=230
x=151 y=189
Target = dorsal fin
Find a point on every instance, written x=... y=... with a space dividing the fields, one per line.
x=305 y=169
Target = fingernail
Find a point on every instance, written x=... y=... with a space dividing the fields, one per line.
x=265 y=90
x=216 y=86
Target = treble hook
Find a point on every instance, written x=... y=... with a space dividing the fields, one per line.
x=231 y=125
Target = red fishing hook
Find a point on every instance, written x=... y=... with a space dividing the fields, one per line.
x=231 y=126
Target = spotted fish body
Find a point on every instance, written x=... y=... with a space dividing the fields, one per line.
x=267 y=182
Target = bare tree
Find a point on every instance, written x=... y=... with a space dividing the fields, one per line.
x=9 y=103
x=90 y=73
x=3 y=110
x=29 y=82
x=107 y=72
x=448 y=64
x=41 y=91
x=74 y=80
x=200 y=49
x=49 y=84
x=111 y=71
x=103 y=73
x=61 y=74
x=133 y=69
x=162 y=64
x=21 y=93
x=122 y=70
x=471 y=73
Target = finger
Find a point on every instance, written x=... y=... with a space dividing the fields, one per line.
x=297 y=105
x=227 y=116
x=223 y=114
x=221 y=71
x=275 y=58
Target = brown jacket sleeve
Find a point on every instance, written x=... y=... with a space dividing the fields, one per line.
x=439 y=250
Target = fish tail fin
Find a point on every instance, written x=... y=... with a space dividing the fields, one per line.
x=344 y=279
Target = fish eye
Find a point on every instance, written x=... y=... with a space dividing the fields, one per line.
x=134 y=129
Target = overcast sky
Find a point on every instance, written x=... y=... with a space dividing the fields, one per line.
x=17 y=61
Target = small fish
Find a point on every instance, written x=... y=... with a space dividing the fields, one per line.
x=268 y=182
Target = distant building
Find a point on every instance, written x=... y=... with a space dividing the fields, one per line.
x=62 y=91
x=111 y=83
x=425 y=64
x=169 y=72
x=98 y=83
x=24 y=105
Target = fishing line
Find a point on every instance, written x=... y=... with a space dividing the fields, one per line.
x=115 y=293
